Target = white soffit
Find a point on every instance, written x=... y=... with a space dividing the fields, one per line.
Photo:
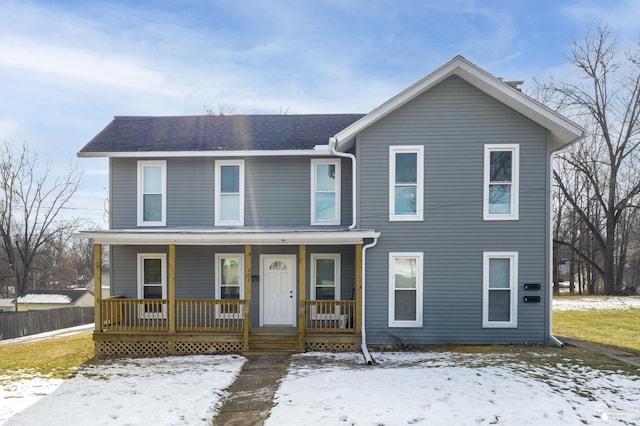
x=165 y=237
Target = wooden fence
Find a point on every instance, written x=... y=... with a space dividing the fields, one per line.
x=19 y=324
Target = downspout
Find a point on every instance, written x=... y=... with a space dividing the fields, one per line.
x=553 y=338
x=365 y=351
x=332 y=150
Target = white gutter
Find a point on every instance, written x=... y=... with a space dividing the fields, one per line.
x=332 y=150
x=317 y=151
x=365 y=351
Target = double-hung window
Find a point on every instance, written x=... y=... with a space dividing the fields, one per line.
x=229 y=192
x=152 y=285
x=406 y=171
x=152 y=194
x=500 y=290
x=501 y=181
x=325 y=286
x=405 y=289
x=229 y=270
x=325 y=191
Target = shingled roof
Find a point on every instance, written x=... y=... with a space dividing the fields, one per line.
x=52 y=296
x=218 y=133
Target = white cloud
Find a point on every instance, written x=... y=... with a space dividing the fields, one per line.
x=9 y=128
x=622 y=16
x=84 y=65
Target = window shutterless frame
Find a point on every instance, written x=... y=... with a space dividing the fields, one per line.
x=500 y=290
x=405 y=289
x=152 y=284
x=229 y=193
x=325 y=191
x=325 y=285
x=406 y=182
x=501 y=182
x=152 y=193
x=229 y=283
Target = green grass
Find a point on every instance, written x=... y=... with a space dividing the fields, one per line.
x=57 y=358
x=619 y=328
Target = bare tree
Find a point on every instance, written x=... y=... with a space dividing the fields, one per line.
x=31 y=200
x=223 y=109
x=606 y=101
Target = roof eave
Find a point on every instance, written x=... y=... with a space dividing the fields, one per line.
x=318 y=150
x=563 y=132
x=165 y=237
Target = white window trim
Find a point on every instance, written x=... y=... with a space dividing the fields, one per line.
x=336 y=315
x=419 y=150
x=141 y=258
x=513 y=287
x=515 y=181
x=140 y=207
x=219 y=164
x=337 y=259
x=314 y=163
x=218 y=283
x=418 y=256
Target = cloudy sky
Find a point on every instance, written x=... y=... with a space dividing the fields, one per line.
x=68 y=67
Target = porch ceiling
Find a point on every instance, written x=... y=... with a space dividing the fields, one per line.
x=230 y=236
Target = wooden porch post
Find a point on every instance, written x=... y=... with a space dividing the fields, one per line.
x=97 y=289
x=246 y=324
x=302 y=315
x=358 y=313
x=172 y=288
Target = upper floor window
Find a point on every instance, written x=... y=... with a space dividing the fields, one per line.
x=501 y=180
x=405 y=289
x=325 y=191
x=229 y=192
x=152 y=194
x=406 y=164
x=499 y=290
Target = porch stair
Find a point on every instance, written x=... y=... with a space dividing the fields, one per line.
x=273 y=341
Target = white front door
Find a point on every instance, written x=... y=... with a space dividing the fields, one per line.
x=278 y=290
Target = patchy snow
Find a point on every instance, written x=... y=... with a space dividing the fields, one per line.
x=536 y=386
x=44 y=298
x=444 y=388
x=447 y=388
x=159 y=391
x=575 y=303
x=17 y=394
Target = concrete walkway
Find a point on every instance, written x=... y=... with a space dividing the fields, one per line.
x=614 y=353
x=251 y=395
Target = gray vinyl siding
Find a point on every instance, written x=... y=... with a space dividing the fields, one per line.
x=277 y=192
x=453 y=121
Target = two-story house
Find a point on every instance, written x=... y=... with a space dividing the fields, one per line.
x=424 y=221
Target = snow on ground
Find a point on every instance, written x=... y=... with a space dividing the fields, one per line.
x=574 y=303
x=158 y=391
x=447 y=388
x=443 y=388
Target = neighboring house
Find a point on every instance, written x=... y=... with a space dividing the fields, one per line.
x=38 y=300
x=106 y=290
x=7 y=305
x=424 y=221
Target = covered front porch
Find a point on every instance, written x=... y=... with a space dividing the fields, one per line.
x=170 y=325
